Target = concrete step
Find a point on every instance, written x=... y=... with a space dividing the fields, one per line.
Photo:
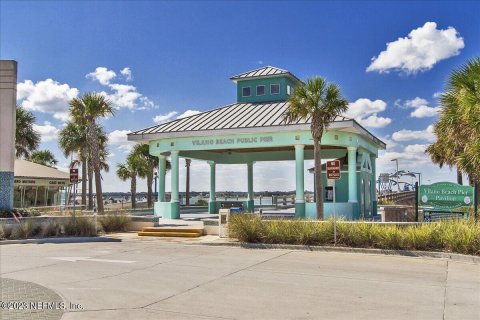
x=172 y=229
x=170 y=234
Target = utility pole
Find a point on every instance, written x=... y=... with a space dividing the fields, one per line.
x=187 y=191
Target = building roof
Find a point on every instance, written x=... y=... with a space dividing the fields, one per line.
x=267 y=71
x=27 y=169
x=238 y=118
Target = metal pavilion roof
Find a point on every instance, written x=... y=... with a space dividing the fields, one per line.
x=238 y=117
x=266 y=71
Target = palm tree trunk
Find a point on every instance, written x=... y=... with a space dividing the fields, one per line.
x=149 y=188
x=84 y=183
x=90 y=185
x=318 y=177
x=95 y=156
x=133 y=189
x=98 y=189
x=459 y=177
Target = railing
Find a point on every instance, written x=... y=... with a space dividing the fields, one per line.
x=398 y=197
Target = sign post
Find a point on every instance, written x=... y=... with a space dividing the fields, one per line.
x=74 y=181
x=333 y=173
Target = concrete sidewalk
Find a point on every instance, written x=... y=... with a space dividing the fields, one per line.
x=168 y=280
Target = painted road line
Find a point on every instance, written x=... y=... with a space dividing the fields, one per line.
x=75 y=259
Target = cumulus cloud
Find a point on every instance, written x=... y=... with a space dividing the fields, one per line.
x=127 y=73
x=419 y=51
x=422 y=110
x=365 y=112
x=47 y=96
x=188 y=113
x=162 y=118
x=408 y=135
x=102 y=75
x=425 y=111
x=47 y=131
x=121 y=95
x=118 y=139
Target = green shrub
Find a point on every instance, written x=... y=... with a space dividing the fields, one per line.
x=114 y=222
x=461 y=236
x=2 y=232
x=201 y=202
x=4 y=213
x=80 y=227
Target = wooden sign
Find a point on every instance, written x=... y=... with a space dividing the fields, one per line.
x=333 y=169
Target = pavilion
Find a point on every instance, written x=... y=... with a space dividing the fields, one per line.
x=254 y=129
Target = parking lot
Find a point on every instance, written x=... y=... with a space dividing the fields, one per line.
x=157 y=279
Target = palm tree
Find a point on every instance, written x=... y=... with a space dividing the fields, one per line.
x=147 y=165
x=44 y=157
x=458 y=127
x=130 y=170
x=85 y=111
x=322 y=102
x=26 y=138
x=73 y=139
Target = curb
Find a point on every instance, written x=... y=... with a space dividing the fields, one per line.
x=408 y=253
x=61 y=240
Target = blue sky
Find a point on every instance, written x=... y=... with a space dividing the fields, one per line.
x=179 y=56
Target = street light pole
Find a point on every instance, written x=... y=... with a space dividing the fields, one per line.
x=398 y=185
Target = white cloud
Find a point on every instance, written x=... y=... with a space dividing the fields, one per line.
x=425 y=111
x=408 y=135
x=188 y=113
x=419 y=51
x=162 y=118
x=102 y=75
x=365 y=112
x=422 y=110
x=127 y=73
x=121 y=95
x=118 y=138
x=416 y=148
x=47 y=131
x=47 y=96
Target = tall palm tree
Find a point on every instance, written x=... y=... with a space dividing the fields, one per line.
x=44 y=157
x=322 y=102
x=458 y=127
x=86 y=110
x=26 y=138
x=73 y=140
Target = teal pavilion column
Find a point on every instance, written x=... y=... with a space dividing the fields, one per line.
x=212 y=204
x=300 y=184
x=174 y=201
x=250 y=202
x=352 y=174
x=162 y=171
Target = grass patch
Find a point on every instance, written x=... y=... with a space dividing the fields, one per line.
x=114 y=222
x=460 y=236
x=80 y=227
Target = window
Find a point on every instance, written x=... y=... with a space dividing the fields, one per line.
x=274 y=88
x=260 y=90
x=289 y=90
x=246 y=92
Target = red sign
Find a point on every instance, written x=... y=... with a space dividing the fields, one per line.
x=73 y=175
x=333 y=169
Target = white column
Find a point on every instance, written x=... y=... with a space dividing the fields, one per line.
x=300 y=184
x=174 y=176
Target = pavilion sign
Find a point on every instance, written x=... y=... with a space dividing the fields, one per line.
x=445 y=195
x=39 y=182
x=233 y=141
